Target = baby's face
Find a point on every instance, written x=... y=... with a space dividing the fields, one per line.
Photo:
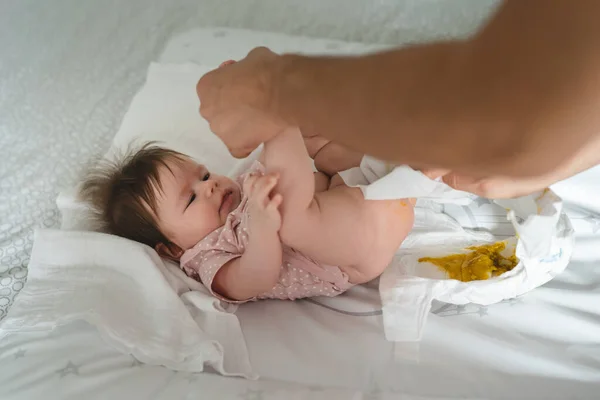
x=193 y=202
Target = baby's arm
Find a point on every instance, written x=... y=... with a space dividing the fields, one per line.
x=257 y=270
x=306 y=225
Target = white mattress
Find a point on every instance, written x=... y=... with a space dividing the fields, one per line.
x=543 y=345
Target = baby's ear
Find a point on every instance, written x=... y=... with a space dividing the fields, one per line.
x=169 y=250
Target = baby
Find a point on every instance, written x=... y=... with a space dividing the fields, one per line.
x=277 y=232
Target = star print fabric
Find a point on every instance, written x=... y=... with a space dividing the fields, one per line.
x=299 y=277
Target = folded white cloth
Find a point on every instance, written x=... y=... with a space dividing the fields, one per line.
x=139 y=304
x=543 y=243
x=384 y=181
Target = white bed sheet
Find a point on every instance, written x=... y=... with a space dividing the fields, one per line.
x=543 y=345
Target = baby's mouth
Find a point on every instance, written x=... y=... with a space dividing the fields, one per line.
x=227 y=197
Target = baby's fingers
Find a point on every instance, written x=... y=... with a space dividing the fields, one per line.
x=266 y=185
x=275 y=202
x=250 y=183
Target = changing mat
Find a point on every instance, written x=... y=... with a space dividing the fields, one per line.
x=543 y=245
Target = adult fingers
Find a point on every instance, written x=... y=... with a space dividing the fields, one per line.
x=434 y=173
x=493 y=187
x=237 y=131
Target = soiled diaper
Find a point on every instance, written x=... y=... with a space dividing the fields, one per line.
x=480 y=263
x=541 y=248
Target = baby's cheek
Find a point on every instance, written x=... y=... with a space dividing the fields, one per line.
x=197 y=227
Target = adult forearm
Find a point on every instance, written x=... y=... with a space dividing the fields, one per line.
x=391 y=105
x=525 y=85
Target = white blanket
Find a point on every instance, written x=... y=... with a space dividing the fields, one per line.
x=140 y=304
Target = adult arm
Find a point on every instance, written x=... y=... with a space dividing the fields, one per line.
x=517 y=99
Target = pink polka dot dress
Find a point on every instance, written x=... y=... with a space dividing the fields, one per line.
x=299 y=277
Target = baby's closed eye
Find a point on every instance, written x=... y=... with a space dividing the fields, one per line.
x=205 y=177
x=192 y=198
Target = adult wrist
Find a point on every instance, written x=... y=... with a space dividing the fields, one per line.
x=288 y=83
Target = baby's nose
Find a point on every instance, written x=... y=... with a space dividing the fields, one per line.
x=212 y=185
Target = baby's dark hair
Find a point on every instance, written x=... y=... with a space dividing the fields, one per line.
x=122 y=193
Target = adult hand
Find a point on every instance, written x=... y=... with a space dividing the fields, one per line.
x=491 y=187
x=498 y=187
x=238 y=100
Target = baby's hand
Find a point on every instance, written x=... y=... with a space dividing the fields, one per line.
x=263 y=206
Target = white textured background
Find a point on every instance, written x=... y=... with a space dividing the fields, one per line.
x=69 y=68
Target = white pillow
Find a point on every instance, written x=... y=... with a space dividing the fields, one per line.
x=166 y=110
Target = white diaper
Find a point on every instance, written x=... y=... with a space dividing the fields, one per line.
x=379 y=180
x=543 y=242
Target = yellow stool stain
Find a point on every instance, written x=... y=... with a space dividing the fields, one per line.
x=398 y=207
x=482 y=263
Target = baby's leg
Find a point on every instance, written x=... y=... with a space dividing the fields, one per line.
x=321 y=182
x=336 y=227
x=331 y=157
x=341 y=228
x=310 y=225
x=336 y=181
x=361 y=249
x=334 y=158
x=314 y=144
